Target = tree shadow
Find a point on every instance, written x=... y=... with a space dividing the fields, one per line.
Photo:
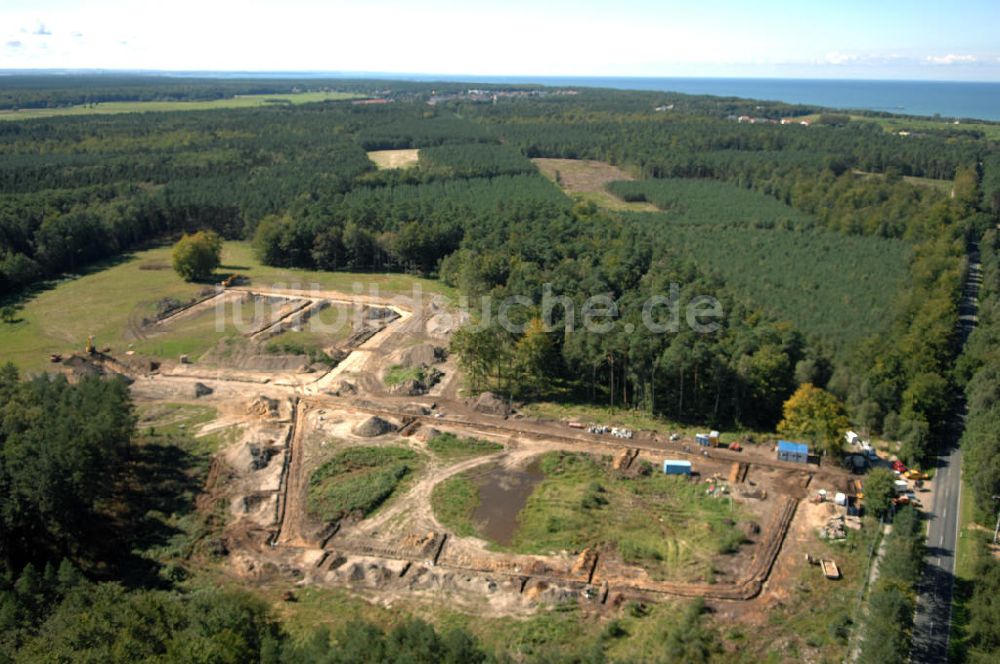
x=33 y=290
x=162 y=489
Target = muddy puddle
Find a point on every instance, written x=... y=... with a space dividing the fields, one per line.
x=503 y=493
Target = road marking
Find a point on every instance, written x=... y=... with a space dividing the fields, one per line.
x=946 y=512
x=941 y=540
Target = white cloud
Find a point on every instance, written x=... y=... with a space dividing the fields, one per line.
x=838 y=58
x=951 y=59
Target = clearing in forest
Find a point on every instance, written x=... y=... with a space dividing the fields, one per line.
x=564 y=501
x=116 y=107
x=387 y=159
x=112 y=300
x=587 y=181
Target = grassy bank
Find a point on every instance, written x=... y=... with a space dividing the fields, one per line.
x=667 y=525
x=118 y=107
x=111 y=300
x=358 y=480
x=969 y=532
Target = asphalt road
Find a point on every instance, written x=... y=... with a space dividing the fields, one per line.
x=932 y=623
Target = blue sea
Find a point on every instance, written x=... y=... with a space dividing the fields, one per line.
x=928 y=98
x=946 y=99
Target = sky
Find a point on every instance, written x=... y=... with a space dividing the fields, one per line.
x=870 y=39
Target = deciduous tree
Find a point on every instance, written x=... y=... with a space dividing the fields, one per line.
x=196 y=256
x=817 y=415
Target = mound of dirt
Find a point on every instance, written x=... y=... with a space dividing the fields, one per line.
x=343 y=388
x=202 y=390
x=381 y=315
x=409 y=388
x=248 y=356
x=373 y=426
x=423 y=355
x=749 y=528
x=264 y=407
x=249 y=457
x=425 y=434
x=490 y=404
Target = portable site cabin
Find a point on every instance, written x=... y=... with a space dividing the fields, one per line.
x=676 y=467
x=702 y=439
x=794 y=452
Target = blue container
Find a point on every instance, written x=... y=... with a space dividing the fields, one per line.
x=794 y=452
x=672 y=467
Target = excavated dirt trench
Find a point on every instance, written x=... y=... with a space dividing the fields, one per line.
x=402 y=549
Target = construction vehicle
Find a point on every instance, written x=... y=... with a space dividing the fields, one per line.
x=90 y=348
x=735 y=446
x=915 y=474
x=234 y=280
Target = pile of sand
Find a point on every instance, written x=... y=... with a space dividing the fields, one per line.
x=373 y=426
x=491 y=404
x=423 y=355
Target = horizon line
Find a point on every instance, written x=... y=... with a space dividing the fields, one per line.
x=465 y=77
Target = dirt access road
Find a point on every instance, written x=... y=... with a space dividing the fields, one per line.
x=269 y=492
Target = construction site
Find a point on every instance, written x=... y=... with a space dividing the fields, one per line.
x=290 y=417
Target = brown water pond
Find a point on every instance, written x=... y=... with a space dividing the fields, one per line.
x=503 y=493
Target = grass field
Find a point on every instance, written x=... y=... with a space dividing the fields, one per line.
x=104 y=302
x=358 y=480
x=453 y=502
x=940 y=185
x=667 y=525
x=991 y=130
x=398 y=374
x=117 y=107
x=559 y=633
x=387 y=159
x=327 y=328
x=585 y=181
x=965 y=575
x=815 y=622
x=450 y=446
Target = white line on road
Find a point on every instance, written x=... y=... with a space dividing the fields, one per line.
x=941 y=540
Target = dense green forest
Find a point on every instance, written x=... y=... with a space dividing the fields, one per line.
x=831 y=268
x=788 y=226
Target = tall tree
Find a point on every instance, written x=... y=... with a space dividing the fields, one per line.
x=196 y=256
x=817 y=415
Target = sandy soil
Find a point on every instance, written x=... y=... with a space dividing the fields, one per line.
x=289 y=420
x=589 y=179
x=395 y=158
